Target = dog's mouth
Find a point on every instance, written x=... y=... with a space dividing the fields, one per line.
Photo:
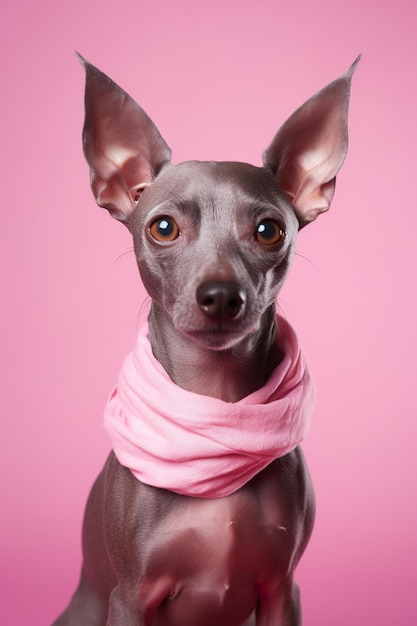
x=220 y=336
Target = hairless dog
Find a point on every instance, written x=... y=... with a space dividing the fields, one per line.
x=205 y=504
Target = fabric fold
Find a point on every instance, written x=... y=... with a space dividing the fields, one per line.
x=197 y=445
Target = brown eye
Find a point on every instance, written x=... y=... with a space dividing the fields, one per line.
x=269 y=233
x=164 y=229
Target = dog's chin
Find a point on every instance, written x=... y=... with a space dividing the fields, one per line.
x=217 y=339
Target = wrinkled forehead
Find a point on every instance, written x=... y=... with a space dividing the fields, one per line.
x=220 y=185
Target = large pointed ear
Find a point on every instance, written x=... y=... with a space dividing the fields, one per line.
x=310 y=147
x=122 y=145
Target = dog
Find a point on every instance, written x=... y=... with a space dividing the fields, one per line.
x=202 y=513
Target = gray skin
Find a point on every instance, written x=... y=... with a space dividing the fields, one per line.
x=153 y=557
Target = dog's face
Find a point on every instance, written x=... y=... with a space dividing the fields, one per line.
x=209 y=221
x=198 y=223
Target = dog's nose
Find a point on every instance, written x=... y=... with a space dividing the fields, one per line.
x=221 y=299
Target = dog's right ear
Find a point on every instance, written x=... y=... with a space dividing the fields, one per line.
x=122 y=145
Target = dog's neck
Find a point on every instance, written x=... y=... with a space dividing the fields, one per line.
x=228 y=375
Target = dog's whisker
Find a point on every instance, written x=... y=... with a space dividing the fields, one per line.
x=123 y=254
x=146 y=303
x=305 y=258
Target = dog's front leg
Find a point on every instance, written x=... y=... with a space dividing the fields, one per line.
x=134 y=603
x=281 y=609
x=86 y=607
x=122 y=610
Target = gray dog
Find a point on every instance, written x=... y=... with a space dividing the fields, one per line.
x=205 y=504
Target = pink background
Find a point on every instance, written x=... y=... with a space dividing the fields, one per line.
x=218 y=78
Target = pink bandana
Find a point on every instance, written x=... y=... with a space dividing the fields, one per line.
x=201 y=446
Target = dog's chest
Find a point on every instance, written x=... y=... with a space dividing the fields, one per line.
x=215 y=554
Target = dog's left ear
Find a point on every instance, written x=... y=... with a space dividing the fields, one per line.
x=310 y=147
x=122 y=145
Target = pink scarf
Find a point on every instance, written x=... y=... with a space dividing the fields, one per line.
x=197 y=445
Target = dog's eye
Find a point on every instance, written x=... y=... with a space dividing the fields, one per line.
x=164 y=229
x=269 y=233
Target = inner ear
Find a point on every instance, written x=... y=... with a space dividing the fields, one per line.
x=137 y=191
x=309 y=149
x=122 y=146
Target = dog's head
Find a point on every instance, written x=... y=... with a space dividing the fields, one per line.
x=213 y=240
